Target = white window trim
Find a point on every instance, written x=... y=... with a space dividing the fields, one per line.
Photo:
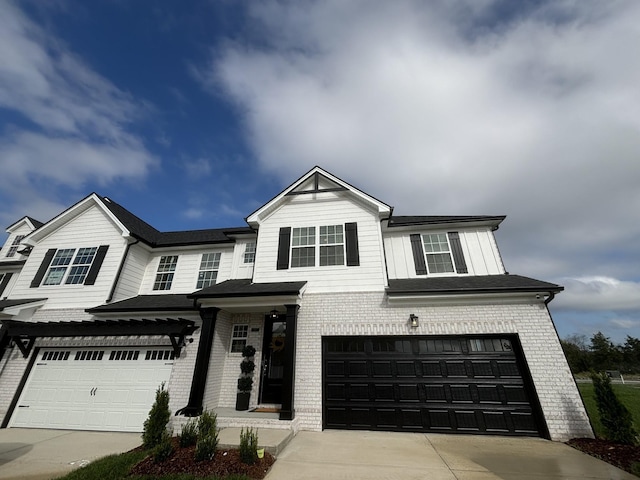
x=13 y=249
x=235 y=337
x=69 y=267
x=165 y=272
x=317 y=246
x=205 y=270
x=449 y=252
x=251 y=252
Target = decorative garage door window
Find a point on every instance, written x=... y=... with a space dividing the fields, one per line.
x=428 y=384
x=106 y=388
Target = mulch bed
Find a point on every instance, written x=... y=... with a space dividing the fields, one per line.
x=617 y=454
x=225 y=462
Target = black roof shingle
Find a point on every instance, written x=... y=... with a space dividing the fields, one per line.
x=148 y=303
x=245 y=288
x=471 y=284
x=408 y=220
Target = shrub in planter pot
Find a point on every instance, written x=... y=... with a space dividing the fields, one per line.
x=245 y=382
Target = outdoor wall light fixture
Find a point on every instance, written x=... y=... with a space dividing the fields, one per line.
x=273 y=314
x=413 y=321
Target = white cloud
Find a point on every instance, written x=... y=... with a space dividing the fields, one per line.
x=599 y=293
x=77 y=127
x=198 y=168
x=453 y=108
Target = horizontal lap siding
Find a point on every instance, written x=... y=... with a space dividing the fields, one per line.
x=133 y=272
x=305 y=212
x=91 y=228
x=185 y=277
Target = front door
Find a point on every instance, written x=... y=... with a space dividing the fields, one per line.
x=272 y=360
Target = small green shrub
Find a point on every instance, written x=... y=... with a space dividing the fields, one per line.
x=248 y=351
x=614 y=416
x=207 y=424
x=245 y=384
x=163 y=450
x=156 y=423
x=207 y=442
x=247 y=366
x=188 y=434
x=206 y=447
x=248 y=446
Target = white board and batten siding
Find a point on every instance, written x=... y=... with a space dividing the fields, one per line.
x=478 y=245
x=303 y=211
x=185 y=277
x=133 y=272
x=90 y=228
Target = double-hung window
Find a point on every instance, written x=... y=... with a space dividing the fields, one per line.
x=70 y=265
x=209 y=265
x=239 y=337
x=331 y=245
x=166 y=270
x=303 y=247
x=250 y=253
x=14 y=245
x=438 y=253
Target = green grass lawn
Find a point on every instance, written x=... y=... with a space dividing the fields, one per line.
x=629 y=395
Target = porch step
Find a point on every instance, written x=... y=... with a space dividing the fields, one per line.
x=271 y=439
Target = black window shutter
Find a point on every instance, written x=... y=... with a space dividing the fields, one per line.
x=46 y=261
x=95 y=266
x=351 y=238
x=283 y=248
x=5 y=282
x=418 y=254
x=456 y=250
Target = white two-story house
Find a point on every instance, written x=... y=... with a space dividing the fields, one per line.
x=361 y=320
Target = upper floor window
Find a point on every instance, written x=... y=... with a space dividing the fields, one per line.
x=250 y=253
x=208 y=273
x=166 y=269
x=325 y=245
x=438 y=253
x=70 y=265
x=14 y=245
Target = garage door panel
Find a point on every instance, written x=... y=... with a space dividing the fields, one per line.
x=87 y=389
x=427 y=384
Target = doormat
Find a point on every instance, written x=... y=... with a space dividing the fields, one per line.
x=266 y=410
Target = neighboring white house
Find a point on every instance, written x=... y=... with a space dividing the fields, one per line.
x=361 y=320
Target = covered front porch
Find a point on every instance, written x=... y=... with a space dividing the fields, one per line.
x=237 y=313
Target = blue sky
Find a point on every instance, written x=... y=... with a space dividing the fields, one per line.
x=194 y=113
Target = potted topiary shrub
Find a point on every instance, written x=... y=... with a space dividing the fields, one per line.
x=245 y=382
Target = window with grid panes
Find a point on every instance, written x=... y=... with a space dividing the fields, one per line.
x=59 y=265
x=250 y=253
x=438 y=253
x=14 y=245
x=239 y=337
x=166 y=269
x=209 y=265
x=303 y=247
x=331 y=245
x=80 y=265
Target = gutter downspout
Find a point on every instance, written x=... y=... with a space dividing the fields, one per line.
x=120 y=268
x=548 y=300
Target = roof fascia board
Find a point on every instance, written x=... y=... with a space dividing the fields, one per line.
x=70 y=213
x=490 y=224
x=255 y=218
x=250 y=304
x=17 y=224
x=16 y=310
x=422 y=300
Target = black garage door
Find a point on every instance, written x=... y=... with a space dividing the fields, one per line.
x=428 y=384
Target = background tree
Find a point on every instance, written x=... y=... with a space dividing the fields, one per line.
x=577 y=352
x=604 y=354
x=631 y=355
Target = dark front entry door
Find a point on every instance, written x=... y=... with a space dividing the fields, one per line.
x=272 y=360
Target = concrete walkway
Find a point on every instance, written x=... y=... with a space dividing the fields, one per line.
x=345 y=455
x=36 y=454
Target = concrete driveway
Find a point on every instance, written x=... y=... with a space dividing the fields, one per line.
x=345 y=455
x=34 y=454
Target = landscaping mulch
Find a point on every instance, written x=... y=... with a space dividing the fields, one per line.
x=617 y=454
x=225 y=462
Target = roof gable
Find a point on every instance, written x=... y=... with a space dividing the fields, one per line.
x=92 y=200
x=317 y=182
x=31 y=223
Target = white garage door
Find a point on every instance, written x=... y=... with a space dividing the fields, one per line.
x=106 y=388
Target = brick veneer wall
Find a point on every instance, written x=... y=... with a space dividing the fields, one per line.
x=370 y=314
